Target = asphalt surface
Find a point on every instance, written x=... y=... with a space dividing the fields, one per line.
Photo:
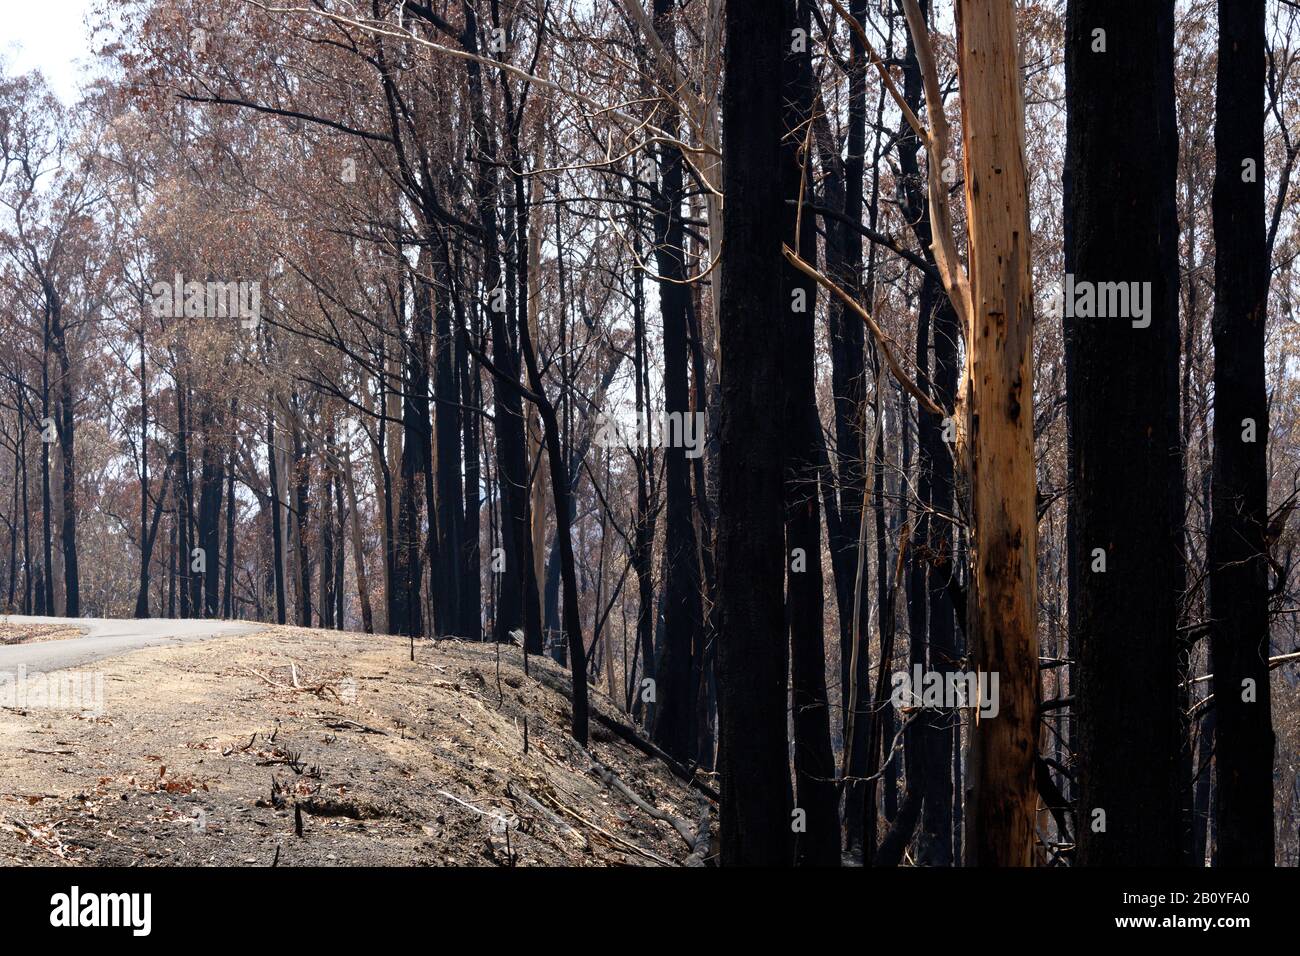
x=107 y=638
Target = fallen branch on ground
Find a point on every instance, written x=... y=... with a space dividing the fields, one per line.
x=610 y=779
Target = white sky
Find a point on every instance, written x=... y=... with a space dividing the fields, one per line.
x=49 y=35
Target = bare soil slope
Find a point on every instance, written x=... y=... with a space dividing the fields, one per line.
x=305 y=747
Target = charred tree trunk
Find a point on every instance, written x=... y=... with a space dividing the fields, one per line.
x=818 y=844
x=181 y=502
x=328 y=518
x=519 y=606
x=447 y=417
x=1126 y=551
x=1238 y=548
x=844 y=189
x=67 y=448
x=416 y=462
x=752 y=653
x=358 y=549
x=933 y=621
x=471 y=397
x=277 y=535
x=46 y=603
x=211 y=480
x=677 y=670
x=228 y=585
x=302 y=504
x=147 y=541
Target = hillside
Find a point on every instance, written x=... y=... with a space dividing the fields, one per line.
x=211 y=754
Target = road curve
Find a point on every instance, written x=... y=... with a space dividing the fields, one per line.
x=106 y=637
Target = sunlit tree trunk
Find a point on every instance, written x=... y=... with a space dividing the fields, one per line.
x=999 y=436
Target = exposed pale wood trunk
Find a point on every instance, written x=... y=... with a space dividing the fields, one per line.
x=999 y=436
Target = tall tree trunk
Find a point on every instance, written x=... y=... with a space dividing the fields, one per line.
x=752 y=653
x=358 y=549
x=302 y=480
x=415 y=464
x=142 y=596
x=228 y=585
x=844 y=187
x=447 y=421
x=46 y=603
x=27 y=530
x=646 y=509
x=933 y=618
x=340 y=558
x=67 y=448
x=519 y=606
x=1000 y=436
x=818 y=843
x=677 y=670
x=147 y=542
x=471 y=396
x=327 y=521
x=561 y=493
x=1238 y=547
x=1126 y=551
x=277 y=535
x=211 y=480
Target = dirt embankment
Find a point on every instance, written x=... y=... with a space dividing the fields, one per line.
x=305 y=747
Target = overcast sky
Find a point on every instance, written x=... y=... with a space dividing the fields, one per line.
x=49 y=35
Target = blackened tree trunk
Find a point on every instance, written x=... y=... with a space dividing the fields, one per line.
x=358 y=548
x=149 y=536
x=843 y=189
x=211 y=480
x=933 y=621
x=46 y=602
x=447 y=418
x=340 y=559
x=817 y=843
x=561 y=488
x=1239 y=636
x=752 y=655
x=277 y=544
x=471 y=395
x=181 y=501
x=67 y=448
x=327 y=542
x=519 y=605
x=677 y=671
x=26 y=498
x=646 y=494
x=1119 y=101
x=302 y=505
x=416 y=462
x=228 y=585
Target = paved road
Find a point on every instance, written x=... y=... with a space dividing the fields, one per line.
x=106 y=638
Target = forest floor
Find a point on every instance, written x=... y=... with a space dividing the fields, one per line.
x=293 y=746
x=15 y=632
